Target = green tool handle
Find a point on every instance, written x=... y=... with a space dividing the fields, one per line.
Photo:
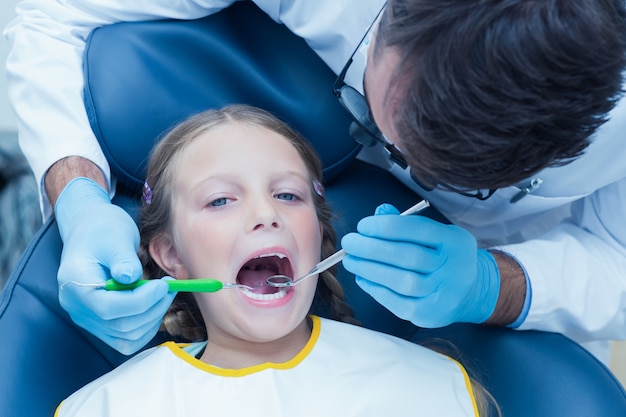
x=187 y=285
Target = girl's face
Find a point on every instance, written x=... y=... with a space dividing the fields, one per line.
x=242 y=210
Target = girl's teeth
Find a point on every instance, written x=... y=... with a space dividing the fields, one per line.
x=265 y=297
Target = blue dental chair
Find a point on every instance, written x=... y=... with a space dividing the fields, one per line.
x=140 y=79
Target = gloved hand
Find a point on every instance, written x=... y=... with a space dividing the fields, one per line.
x=100 y=241
x=421 y=270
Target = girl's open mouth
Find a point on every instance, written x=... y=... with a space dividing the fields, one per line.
x=255 y=272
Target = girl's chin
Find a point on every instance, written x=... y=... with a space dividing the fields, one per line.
x=279 y=331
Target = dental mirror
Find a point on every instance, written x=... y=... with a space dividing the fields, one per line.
x=281 y=281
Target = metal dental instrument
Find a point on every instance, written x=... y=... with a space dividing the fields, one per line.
x=213 y=285
x=281 y=281
x=187 y=285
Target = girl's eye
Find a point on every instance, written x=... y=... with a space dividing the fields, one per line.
x=287 y=196
x=219 y=202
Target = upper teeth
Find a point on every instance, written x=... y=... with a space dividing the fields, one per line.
x=266 y=255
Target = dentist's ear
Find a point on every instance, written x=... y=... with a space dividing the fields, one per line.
x=165 y=254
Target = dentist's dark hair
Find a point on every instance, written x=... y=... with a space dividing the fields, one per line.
x=489 y=92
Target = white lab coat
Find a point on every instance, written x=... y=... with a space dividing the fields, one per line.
x=569 y=235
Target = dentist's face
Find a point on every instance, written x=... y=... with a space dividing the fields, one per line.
x=377 y=86
x=242 y=211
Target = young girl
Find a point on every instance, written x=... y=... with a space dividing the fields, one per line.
x=235 y=194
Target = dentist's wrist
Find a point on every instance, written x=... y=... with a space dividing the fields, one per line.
x=513 y=289
x=65 y=170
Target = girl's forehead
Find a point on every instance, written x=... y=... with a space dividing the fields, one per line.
x=239 y=146
x=234 y=135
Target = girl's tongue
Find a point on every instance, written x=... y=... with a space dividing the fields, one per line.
x=256 y=271
x=256 y=279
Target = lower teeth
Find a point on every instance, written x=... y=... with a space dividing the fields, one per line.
x=265 y=297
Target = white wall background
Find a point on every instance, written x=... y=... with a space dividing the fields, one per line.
x=7 y=118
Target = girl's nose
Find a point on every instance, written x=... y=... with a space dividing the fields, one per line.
x=265 y=216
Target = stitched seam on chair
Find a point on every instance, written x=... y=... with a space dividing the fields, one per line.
x=13 y=280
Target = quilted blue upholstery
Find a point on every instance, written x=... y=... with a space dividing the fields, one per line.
x=266 y=66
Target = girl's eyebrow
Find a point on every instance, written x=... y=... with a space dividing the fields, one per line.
x=304 y=177
x=232 y=177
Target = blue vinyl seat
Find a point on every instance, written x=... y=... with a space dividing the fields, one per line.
x=142 y=78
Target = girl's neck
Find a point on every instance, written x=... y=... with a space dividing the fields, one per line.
x=237 y=354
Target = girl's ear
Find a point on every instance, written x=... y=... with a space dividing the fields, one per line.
x=165 y=254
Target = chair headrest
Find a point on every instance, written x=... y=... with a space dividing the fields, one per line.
x=167 y=70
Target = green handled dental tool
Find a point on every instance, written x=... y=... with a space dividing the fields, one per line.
x=187 y=285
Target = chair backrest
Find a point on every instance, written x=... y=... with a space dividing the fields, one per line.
x=261 y=74
x=139 y=82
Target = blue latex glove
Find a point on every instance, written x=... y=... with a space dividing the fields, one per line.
x=100 y=241
x=421 y=270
